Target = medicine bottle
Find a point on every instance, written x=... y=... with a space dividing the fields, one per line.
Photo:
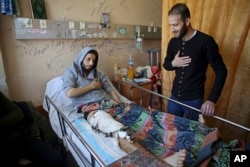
x=130 y=68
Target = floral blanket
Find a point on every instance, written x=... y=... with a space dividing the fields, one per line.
x=163 y=134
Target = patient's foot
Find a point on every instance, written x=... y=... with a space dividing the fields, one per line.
x=177 y=159
x=201 y=119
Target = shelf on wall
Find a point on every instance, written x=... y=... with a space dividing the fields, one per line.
x=27 y=28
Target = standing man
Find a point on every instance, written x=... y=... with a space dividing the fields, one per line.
x=189 y=52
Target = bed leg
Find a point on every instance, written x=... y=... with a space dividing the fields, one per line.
x=65 y=143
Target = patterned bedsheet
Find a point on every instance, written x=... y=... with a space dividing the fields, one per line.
x=163 y=134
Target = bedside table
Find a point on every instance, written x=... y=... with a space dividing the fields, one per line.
x=135 y=94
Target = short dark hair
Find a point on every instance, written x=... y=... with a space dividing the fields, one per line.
x=180 y=9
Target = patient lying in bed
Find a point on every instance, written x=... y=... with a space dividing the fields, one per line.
x=102 y=122
x=175 y=140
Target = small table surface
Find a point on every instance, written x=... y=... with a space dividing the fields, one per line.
x=148 y=81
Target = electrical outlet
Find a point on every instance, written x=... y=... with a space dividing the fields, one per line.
x=28 y=23
x=155 y=29
x=149 y=28
x=82 y=25
x=43 y=24
x=71 y=25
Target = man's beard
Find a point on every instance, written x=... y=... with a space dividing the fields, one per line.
x=183 y=31
x=87 y=71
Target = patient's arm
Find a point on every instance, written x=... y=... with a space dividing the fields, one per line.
x=115 y=96
x=75 y=92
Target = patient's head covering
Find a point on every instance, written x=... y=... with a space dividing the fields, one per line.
x=77 y=63
x=73 y=77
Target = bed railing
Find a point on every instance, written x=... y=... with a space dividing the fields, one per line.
x=64 y=123
x=167 y=98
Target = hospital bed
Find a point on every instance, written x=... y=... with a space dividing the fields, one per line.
x=88 y=147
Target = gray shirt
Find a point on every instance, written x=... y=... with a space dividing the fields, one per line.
x=73 y=78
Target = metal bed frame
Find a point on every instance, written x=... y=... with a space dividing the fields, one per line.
x=167 y=98
x=65 y=123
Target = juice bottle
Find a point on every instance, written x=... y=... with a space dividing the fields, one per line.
x=130 y=68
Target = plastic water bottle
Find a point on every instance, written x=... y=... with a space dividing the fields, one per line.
x=130 y=68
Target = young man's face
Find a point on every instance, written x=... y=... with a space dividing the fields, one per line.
x=88 y=62
x=177 y=25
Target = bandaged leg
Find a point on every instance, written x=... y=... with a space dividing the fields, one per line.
x=105 y=123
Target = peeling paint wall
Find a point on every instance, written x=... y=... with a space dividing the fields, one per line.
x=29 y=64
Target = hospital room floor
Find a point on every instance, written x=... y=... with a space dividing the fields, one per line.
x=50 y=137
x=70 y=160
x=58 y=145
